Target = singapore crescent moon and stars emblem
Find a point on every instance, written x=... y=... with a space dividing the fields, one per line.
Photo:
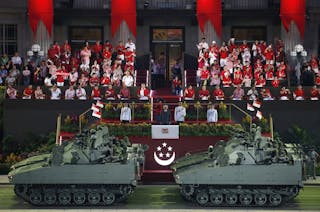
x=164 y=154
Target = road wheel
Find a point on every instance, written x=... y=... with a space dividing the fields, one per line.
x=231 y=198
x=275 y=199
x=35 y=197
x=245 y=199
x=202 y=198
x=64 y=198
x=260 y=199
x=216 y=198
x=50 y=198
x=79 y=198
x=94 y=198
x=108 y=197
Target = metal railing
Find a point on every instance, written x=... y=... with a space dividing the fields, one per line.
x=91 y=4
x=166 y=4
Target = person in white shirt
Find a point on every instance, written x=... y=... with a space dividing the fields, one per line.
x=125 y=115
x=16 y=60
x=252 y=93
x=48 y=80
x=203 y=44
x=73 y=77
x=81 y=93
x=127 y=79
x=179 y=113
x=212 y=114
x=70 y=93
x=131 y=45
x=55 y=92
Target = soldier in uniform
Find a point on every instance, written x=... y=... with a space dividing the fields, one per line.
x=313 y=155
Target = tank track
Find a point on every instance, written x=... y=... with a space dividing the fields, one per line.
x=238 y=196
x=73 y=195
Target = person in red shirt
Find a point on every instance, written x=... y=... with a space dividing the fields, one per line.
x=105 y=80
x=129 y=56
x=281 y=71
x=314 y=93
x=232 y=45
x=275 y=82
x=143 y=92
x=284 y=93
x=218 y=93
x=260 y=82
x=120 y=49
x=298 y=93
x=94 y=80
x=244 y=46
x=124 y=93
x=204 y=93
x=97 y=50
x=314 y=64
x=108 y=44
x=96 y=93
x=237 y=77
x=317 y=80
x=247 y=70
x=189 y=93
x=266 y=94
x=225 y=77
x=53 y=54
x=66 y=47
x=107 y=55
x=62 y=74
x=269 y=55
x=224 y=53
x=176 y=84
x=27 y=92
x=110 y=94
x=269 y=70
x=205 y=73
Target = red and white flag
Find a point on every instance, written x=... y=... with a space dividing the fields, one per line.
x=250 y=107
x=259 y=114
x=100 y=104
x=96 y=114
x=256 y=104
x=95 y=108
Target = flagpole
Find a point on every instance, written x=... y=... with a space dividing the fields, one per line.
x=271 y=126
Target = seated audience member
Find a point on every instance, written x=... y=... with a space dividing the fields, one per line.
x=11 y=92
x=48 y=80
x=55 y=92
x=38 y=93
x=27 y=92
x=26 y=76
x=127 y=79
x=212 y=114
x=204 y=93
x=238 y=93
x=94 y=80
x=246 y=81
x=281 y=71
x=70 y=93
x=260 y=82
x=96 y=93
x=205 y=74
x=81 y=93
x=266 y=94
x=165 y=115
x=218 y=93
x=95 y=69
x=189 y=93
x=62 y=74
x=176 y=84
x=110 y=94
x=124 y=93
x=179 y=113
x=11 y=79
x=298 y=93
x=226 y=77
x=252 y=94
x=237 y=77
x=125 y=115
x=317 y=79
x=83 y=80
x=275 y=82
x=314 y=93
x=73 y=77
x=143 y=92
x=284 y=93
x=105 y=80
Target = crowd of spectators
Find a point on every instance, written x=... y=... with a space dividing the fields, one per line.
x=251 y=66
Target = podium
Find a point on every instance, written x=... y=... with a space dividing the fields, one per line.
x=165 y=131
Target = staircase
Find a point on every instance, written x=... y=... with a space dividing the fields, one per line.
x=191 y=77
x=141 y=77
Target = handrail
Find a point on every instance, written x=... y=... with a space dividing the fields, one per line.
x=81 y=118
x=244 y=112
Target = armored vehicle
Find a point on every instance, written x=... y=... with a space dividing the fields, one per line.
x=247 y=170
x=92 y=169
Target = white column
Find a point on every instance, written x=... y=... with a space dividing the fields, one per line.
x=210 y=34
x=43 y=38
x=122 y=34
x=290 y=38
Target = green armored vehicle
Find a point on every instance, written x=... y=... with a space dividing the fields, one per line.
x=93 y=169
x=248 y=170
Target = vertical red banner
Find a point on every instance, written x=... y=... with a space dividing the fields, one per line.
x=293 y=10
x=210 y=10
x=123 y=10
x=40 y=10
